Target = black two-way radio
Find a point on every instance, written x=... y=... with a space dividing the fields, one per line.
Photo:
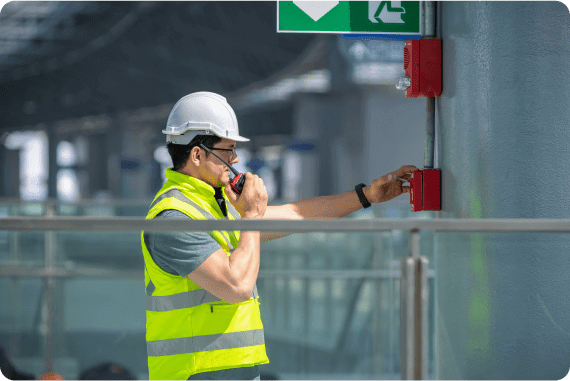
x=239 y=179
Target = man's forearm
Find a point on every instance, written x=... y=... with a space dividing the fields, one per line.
x=335 y=206
x=244 y=263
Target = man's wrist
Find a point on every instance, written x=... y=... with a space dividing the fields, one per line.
x=360 y=191
x=366 y=191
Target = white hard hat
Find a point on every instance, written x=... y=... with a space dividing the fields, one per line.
x=201 y=113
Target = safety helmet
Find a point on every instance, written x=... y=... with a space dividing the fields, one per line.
x=201 y=113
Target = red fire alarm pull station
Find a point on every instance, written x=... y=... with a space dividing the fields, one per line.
x=422 y=64
x=425 y=190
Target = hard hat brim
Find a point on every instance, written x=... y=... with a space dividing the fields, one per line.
x=185 y=135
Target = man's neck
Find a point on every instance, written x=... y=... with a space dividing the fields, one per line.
x=184 y=171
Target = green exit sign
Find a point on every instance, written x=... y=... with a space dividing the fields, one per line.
x=365 y=17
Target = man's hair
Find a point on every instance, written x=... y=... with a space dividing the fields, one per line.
x=180 y=153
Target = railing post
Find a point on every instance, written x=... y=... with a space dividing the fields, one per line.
x=15 y=334
x=413 y=312
x=421 y=312
x=407 y=318
x=49 y=285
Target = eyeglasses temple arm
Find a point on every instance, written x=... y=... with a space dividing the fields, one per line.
x=235 y=172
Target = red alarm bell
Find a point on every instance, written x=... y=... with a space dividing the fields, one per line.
x=425 y=190
x=422 y=64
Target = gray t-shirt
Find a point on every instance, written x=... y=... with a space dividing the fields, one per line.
x=180 y=253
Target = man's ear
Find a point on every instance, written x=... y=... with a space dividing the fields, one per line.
x=196 y=156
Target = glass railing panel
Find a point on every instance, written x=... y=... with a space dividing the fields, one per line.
x=117 y=250
x=25 y=246
x=22 y=327
x=323 y=319
x=105 y=321
x=89 y=208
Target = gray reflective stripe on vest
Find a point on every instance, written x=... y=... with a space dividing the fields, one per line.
x=204 y=343
x=233 y=211
x=179 y=196
x=183 y=300
x=232 y=248
x=178 y=301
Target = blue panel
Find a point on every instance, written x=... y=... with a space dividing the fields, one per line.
x=399 y=37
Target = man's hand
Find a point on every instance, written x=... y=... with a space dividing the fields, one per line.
x=389 y=186
x=252 y=201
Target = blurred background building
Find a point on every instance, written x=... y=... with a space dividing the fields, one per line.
x=86 y=88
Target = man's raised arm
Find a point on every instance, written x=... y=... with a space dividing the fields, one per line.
x=336 y=206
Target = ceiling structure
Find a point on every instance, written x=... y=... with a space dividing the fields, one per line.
x=62 y=60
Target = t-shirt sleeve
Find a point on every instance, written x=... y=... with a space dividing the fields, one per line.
x=179 y=252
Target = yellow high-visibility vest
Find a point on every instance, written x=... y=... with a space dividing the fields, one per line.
x=189 y=330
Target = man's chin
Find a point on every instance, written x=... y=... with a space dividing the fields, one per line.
x=225 y=180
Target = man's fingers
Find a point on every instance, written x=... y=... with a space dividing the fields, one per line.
x=231 y=194
x=404 y=178
x=405 y=189
x=410 y=168
x=406 y=169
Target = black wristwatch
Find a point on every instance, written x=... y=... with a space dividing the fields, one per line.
x=361 y=195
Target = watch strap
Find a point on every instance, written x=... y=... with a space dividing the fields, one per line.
x=365 y=203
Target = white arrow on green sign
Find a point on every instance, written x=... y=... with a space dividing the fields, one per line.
x=369 y=17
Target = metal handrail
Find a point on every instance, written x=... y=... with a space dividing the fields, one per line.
x=488 y=225
x=54 y=202
x=413 y=279
x=70 y=270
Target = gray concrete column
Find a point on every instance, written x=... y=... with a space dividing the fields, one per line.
x=503 y=300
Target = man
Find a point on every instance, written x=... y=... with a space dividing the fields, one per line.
x=203 y=318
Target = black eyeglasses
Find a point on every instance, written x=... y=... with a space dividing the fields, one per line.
x=232 y=154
